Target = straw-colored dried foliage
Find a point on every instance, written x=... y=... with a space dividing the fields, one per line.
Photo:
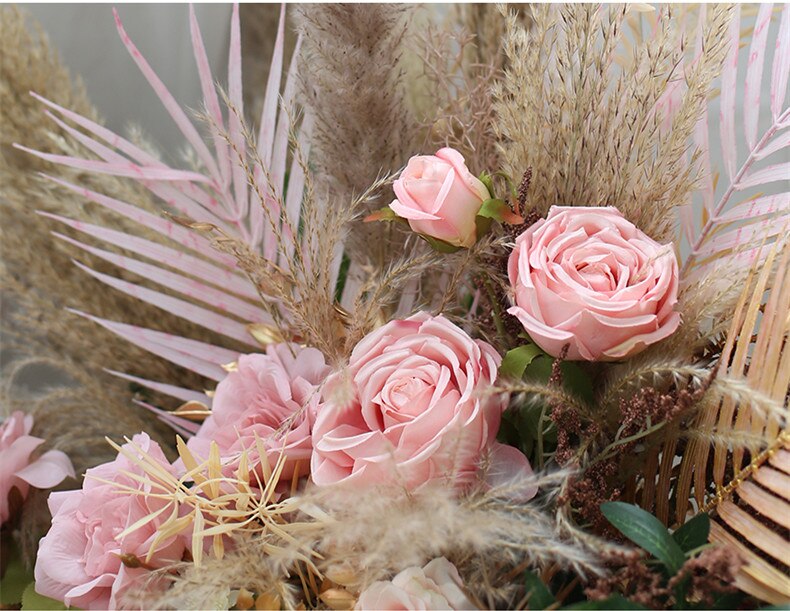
x=460 y=60
x=350 y=71
x=457 y=88
x=606 y=144
x=335 y=544
x=751 y=481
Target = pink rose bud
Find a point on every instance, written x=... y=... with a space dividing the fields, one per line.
x=17 y=470
x=440 y=197
x=587 y=277
x=437 y=585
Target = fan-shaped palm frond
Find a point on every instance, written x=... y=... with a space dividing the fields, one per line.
x=236 y=189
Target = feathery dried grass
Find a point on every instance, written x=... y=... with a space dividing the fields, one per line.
x=299 y=293
x=593 y=132
x=459 y=105
x=350 y=71
x=370 y=535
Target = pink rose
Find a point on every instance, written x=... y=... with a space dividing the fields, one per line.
x=78 y=560
x=274 y=396
x=589 y=278
x=440 y=197
x=411 y=408
x=16 y=468
x=435 y=586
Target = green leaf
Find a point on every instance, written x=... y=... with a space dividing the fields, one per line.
x=508 y=433
x=613 y=602
x=515 y=362
x=646 y=531
x=488 y=181
x=440 y=245
x=539 y=595
x=482 y=226
x=493 y=209
x=385 y=214
x=33 y=600
x=577 y=381
x=694 y=533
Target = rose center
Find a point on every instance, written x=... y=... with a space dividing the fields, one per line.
x=599 y=275
x=401 y=396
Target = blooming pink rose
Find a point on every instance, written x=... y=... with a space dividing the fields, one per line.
x=274 y=396
x=78 y=560
x=435 y=586
x=16 y=468
x=440 y=197
x=587 y=277
x=412 y=408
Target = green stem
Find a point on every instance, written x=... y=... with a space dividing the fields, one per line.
x=540 y=436
x=497 y=312
x=608 y=451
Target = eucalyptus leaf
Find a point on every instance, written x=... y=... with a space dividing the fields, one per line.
x=539 y=595
x=646 y=531
x=613 y=602
x=33 y=600
x=694 y=533
x=516 y=361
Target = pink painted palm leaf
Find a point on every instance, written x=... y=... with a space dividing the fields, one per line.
x=754 y=207
x=184 y=275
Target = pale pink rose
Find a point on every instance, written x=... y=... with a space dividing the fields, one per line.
x=78 y=560
x=587 y=277
x=413 y=407
x=16 y=468
x=440 y=197
x=435 y=586
x=274 y=396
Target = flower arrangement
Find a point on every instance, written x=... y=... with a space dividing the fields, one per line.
x=453 y=339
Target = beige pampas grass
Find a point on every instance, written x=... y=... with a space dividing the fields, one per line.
x=594 y=132
x=363 y=130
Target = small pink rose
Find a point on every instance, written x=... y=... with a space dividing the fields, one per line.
x=587 y=277
x=435 y=586
x=274 y=396
x=79 y=559
x=16 y=468
x=412 y=407
x=440 y=197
